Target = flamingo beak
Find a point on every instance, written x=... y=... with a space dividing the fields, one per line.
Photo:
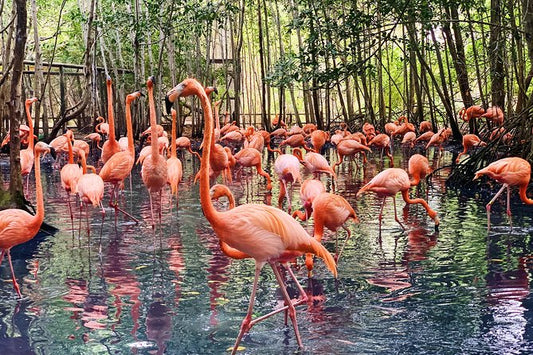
x=168 y=104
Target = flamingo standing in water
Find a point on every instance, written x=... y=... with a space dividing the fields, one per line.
x=154 y=169
x=18 y=226
x=387 y=184
x=90 y=188
x=470 y=141
x=287 y=167
x=249 y=157
x=174 y=167
x=309 y=189
x=70 y=173
x=111 y=145
x=511 y=171
x=119 y=166
x=26 y=155
x=263 y=232
x=418 y=168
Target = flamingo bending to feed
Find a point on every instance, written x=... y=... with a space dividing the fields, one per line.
x=174 y=167
x=418 y=168
x=262 y=232
x=330 y=211
x=119 y=166
x=470 y=141
x=154 y=170
x=387 y=184
x=18 y=226
x=249 y=157
x=309 y=189
x=111 y=145
x=315 y=163
x=287 y=167
x=26 y=155
x=511 y=171
x=349 y=148
x=383 y=141
x=495 y=114
x=70 y=173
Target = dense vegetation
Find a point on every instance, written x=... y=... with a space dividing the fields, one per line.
x=324 y=61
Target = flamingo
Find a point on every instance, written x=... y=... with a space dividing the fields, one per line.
x=119 y=166
x=26 y=155
x=418 y=168
x=287 y=167
x=102 y=127
x=295 y=140
x=110 y=146
x=185 y=143
x=495 y=114
x=409 y=138
x=318 y=139
x=309 y=189
x=425 y=137
x=315 y=163
x=387 y=184
x=249 y=157
x=425 y=126
x=383 y=141
x=472 y=112
x=154 y=169
x=330 y=211
x=18 y=226
x=511 y=171
x=279 y=237
x=90 y=187
x=470 y=141
x=70 y=174
x=350 y=147
x=174 y=167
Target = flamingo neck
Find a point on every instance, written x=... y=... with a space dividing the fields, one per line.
x=523 y=196
x=153 y=124
x=110 y=116
x=210 y=212
x=129 y=129
x=416 y=180
x=70 y=153
x=31 y=141
x=173 y=153
x=83 y=162
x=39 y=216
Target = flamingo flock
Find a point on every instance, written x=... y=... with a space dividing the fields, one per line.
x=268 y=235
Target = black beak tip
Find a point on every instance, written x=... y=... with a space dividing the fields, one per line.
x=215 y=90
x=53 y=153
x=168 y=105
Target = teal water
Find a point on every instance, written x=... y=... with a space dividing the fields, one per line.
x=123 y=288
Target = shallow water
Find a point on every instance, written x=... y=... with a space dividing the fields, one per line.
x=124 y=289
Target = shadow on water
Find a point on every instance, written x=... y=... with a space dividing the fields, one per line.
x=136 y=290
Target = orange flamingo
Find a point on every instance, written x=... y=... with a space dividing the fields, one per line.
x=418 y=168
x=18 y=226
x=185 y=143
x=472 y=112
x=315 y=163
x=495 y=114
x=383 y=141
x=102 y=126
x=349 y=148
x=154 y=169
x=110 y=146
x=249 y=157
x=409 y=138
x=387 y=184
x=287 y=167
x=309 y=128
x=26 y=155
x=425 y=137
x=511 y=171
x=309 y=189
x=318 y=139
x=295 y=140
x=425 y=126
x=279 y=237
x=330 y=211
x=70 y=173
x=119 y=166
x=470 y=141
x=174 y=167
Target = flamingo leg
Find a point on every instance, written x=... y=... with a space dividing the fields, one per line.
x=2 y=255
x=247 y=321
x=152 y=210
x=291 y=310
x=491 y=202
x=395 y=214
x=15 y=283
x=508 y=201
x=303 y=294
x=117 y=208
x=348 y=236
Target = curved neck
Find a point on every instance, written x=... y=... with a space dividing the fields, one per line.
x=129 y=127
x=207 y=205
x=110 y=117
x=153 y=124
x=523 y=196
x=30 y=125
x=83 y=161
x=217 y=119
x=70 y=153
x=173 y=142
x=39 y=216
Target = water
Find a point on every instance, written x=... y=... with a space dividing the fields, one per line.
x=461 y=290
